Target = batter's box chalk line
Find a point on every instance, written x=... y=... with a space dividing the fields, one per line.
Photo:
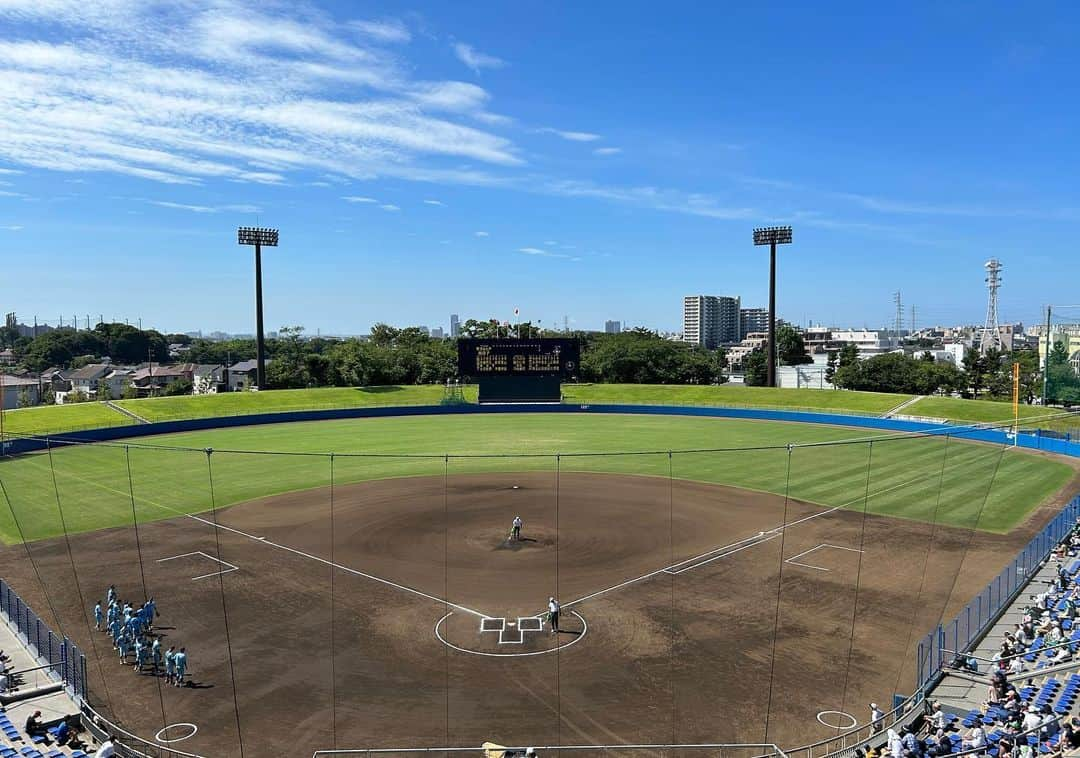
x=794 y=560
x=513 y=633
x=228 y=567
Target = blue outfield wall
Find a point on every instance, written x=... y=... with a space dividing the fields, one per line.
x=1034 y=441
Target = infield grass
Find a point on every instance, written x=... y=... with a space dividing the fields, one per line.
x=950 y=481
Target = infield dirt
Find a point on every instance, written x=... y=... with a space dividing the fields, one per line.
x=332 y=610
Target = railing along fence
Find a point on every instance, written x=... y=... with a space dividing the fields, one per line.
x=128 y=745
x=59 y=655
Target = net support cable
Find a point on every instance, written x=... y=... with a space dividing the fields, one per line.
x=224 y=605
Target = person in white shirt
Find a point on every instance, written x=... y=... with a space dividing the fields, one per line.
x=553 y=614
x=107 y=749
x=877 y=717
x=515 y=532
x=937 y=717
x=976 y=738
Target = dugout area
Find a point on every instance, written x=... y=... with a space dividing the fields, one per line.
x=396 y=613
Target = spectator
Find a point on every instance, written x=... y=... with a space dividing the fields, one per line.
x=975 y=739
x=894 y=744
x=62 y=733
x=937 y=718
x=877 y=718
x=107 y=749
x=34 y=727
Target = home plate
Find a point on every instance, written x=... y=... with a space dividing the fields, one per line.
x=511 y=623
x=516 y=487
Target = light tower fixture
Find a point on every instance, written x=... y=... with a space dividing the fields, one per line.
x=772 y=236
x=258 y=236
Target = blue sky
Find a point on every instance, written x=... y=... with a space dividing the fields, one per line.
x=593 y=160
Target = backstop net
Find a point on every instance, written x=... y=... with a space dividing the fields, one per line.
x=759 y=594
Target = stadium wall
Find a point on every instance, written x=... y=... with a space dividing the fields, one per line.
x=1032 y=441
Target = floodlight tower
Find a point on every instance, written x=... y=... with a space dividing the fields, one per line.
x=772 y=236
x=991 y=335
x=258 y=236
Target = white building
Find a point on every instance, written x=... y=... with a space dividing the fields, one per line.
x=869 y=341
x=612 y=327
x=711 y=320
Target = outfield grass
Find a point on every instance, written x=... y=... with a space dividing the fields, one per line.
x=734 y=395
x=270 y=401
x=989 y=411
x=904 y=473
x=53 y=419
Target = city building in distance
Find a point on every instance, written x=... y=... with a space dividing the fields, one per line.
x=711 y=320
x=455 y=325
x=612 y=327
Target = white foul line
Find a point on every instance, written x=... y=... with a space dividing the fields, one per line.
x=264 y=541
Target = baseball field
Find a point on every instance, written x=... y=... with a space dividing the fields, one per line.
x=351 y=584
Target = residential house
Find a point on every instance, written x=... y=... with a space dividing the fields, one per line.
x=153 y=378
x=85 y=380
x=16 y=389
x=207 y=378
x=7 y=358
x=243 y=375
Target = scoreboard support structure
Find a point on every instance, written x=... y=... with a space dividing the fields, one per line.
x=518 y=370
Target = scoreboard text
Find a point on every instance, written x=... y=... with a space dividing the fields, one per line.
x=513 y=357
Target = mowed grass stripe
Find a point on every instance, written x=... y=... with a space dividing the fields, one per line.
x=93 y=483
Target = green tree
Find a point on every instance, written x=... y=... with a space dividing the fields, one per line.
x=179 y=387
x=25 y=399
x=104 y=391
x=289 y=369
x=830 y=366
x=974 y=370
x=1062 y=382
x=756 y=369
x=790 y=347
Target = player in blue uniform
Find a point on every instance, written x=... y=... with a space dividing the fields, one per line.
x=98 y=616
x=180 y=661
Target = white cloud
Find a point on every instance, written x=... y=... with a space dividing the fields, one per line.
x=475 y=59
x=607 y=151
x=550 y=243
x=541 y=253
x=8 y=193
x=358 y=199
x=206 y=208
x=434 y=202
x=389 y=207
x=183 y=206
x=387 y=30
x=182 y=95
x=11 y=228
x=9 y=171
x=572 y=136
x=319 y=184
x=481 y=234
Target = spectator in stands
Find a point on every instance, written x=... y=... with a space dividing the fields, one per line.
x=894 y=745
x=909 y=741
x=107 y=749
x=975 y=739
x=34 y=727
x=937 y=719
x=1016 y=665
x=1050 y=724
x=62 y=733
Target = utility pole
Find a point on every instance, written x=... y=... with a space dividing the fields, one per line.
x=899 y=317
x=913 y=319
x=1046 y=362
x=991 y=334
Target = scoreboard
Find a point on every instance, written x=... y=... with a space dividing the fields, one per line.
x=518 y=370
x=543 y=356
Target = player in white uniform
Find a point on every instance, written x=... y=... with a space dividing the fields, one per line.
x=515 y=531
x=553 y=614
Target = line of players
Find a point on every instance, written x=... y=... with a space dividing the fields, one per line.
x=132 y=632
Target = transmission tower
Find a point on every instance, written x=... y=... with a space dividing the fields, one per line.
x=899 y=317
x=991 y=334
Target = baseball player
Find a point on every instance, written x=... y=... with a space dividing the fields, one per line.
x=515 y=531
x=553 y=614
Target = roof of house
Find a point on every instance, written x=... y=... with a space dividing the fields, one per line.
x=161 y=371
x=90 y=372
x=18 y=381
x=206 y=368
x=245 y=366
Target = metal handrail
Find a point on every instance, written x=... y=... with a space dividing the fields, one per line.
x=776 y=751
x=101 y=728
x=1014 y=655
